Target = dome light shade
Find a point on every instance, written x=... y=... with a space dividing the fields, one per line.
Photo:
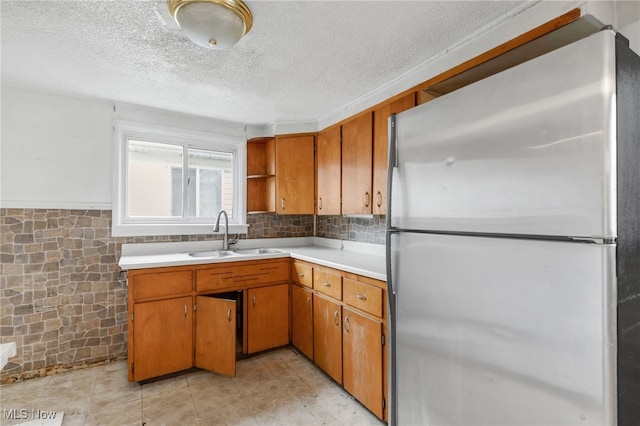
x=214 y=24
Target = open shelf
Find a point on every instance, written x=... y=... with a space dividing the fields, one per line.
x=261 y=175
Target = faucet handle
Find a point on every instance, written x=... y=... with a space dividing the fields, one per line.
x=235 y=239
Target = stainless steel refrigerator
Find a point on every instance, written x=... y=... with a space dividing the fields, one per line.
x=513 y=239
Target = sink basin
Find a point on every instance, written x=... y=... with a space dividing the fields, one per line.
x=211 y=253
x=257 y=251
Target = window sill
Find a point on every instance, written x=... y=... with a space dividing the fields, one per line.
x=138 y=230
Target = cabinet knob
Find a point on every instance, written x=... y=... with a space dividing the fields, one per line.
x=379 y=199
x=185 y=310
x=254 y=301
x=300 y=274
x=347 y=325
x=326 y=284
x=366 y=199
x=361 y=296
x=336 y=318
x=229 y=315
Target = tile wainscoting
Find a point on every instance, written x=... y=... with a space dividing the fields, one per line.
x=62 y=300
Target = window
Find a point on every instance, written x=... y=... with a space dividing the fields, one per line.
x=174 y=182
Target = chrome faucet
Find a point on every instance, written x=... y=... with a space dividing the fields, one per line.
x=216 y=228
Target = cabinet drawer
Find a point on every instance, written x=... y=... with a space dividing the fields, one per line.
x=328 y=283
x=363 y=296
x=241 y=275
x=160 y=284
x=302 y=274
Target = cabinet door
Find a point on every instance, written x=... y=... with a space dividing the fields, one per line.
x=357 y=146
x=268 y=317
x=295 y=175
x=327 y=337
x=302 y=319
x=380 y=148
x=329 y=172
x=216 y=335
x=362 y=358
x=163 y=337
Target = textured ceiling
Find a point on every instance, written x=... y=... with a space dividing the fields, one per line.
x=302 y=59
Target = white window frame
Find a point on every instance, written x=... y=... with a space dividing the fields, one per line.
x=123 y=226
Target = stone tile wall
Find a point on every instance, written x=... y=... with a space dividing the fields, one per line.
x=269 y=225
x=361 y=229
x=61 y=298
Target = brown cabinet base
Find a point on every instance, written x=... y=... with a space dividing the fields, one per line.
x=186 y=316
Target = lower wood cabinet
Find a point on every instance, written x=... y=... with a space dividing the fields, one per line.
x=348 y=329
x=215 y=348
x=163 y=337
x=362 y=372
x=267 y=317
x=327 y=336
x=203 y=316
x=302 y=319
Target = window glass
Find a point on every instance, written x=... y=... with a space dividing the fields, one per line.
x=174 y=181
x=154 y=179
x=210 y=183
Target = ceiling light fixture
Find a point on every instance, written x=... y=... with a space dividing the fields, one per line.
x=214 y=24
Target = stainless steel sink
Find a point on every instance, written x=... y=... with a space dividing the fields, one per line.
x=257 y=251
x=212 y=253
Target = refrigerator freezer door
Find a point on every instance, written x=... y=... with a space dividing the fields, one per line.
x=528 y=151
x=495 y=331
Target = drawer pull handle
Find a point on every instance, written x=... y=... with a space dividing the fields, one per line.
x=185 y=310
x=361 y=296
x=282 y=203
x=347 y=325
x=300 y=274
x=308 y=300
x=366 y=199
x=336 y=318
x=254 y=301
x=326 y=284
x=319 y=203
x=379 y=199
x=229 y=315
x=273 y=268
x=241 y=280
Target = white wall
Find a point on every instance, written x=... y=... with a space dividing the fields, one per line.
x=56 y=151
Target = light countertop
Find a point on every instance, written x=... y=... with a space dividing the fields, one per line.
x=358 y=258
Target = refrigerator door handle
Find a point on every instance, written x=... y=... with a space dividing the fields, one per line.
x=393 y=162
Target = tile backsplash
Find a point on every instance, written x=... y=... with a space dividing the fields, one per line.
x=352 y=228
x=62 y=298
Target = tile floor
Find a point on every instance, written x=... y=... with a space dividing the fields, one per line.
x=280 y=387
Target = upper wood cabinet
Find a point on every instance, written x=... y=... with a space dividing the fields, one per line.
x=381 y=148
x=328 y=158
x=357 y=154
x=261 y=175
x=295 y=174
